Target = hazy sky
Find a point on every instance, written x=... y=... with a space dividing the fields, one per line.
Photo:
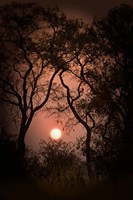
x=81 y=7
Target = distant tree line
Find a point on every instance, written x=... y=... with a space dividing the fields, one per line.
x=39 y=44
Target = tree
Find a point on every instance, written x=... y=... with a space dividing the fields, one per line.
x=24 y=63
x=35 y=48
x=101 y=100
x=114 y=32
x=83 y=88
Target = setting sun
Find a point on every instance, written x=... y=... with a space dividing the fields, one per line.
x=55 y=133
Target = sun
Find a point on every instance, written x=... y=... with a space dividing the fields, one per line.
x=55 y=133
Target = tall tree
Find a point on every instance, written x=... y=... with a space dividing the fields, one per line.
x=32 y=56
x=101 y=100
x=80 y=85
x=115 y=34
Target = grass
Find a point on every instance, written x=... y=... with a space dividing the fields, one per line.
x=43 y=190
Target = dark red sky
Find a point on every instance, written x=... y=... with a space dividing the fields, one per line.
x=81 y=7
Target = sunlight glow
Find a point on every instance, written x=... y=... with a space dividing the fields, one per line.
x=55 y=133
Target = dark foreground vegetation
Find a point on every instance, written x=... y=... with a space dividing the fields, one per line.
x=55 y=172
x=36 y=46
x=42 y=189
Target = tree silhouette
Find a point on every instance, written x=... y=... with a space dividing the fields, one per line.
x=32 y=39
x=101 y=100
x=79 y=94
x=115 y=32
x=77 y=45
x=24 y=63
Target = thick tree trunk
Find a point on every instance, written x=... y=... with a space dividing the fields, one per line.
x=21 y=144
x=20 y=171
x=89 y=168
x=23 y=130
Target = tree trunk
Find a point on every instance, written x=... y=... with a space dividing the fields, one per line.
x=23 y=130
x=21 y=144
x=89 y=168
x=20 y=156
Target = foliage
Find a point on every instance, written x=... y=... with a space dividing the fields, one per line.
x=115 y=149
x=102 y=99
x=60 y=161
